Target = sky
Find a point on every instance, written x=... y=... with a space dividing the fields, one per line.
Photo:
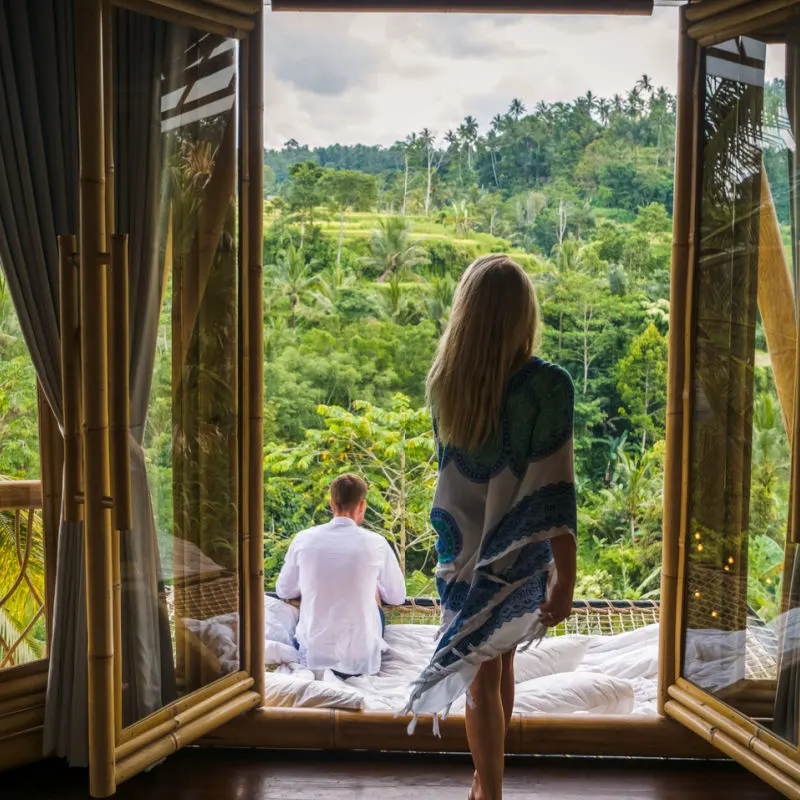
x=375 y=78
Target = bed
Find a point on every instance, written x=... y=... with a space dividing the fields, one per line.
x=605 y=662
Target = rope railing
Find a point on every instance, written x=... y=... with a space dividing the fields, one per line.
x=22 y=603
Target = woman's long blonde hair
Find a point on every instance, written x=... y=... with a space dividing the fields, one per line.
x=493 y=329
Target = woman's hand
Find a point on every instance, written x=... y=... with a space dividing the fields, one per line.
x=558 y=606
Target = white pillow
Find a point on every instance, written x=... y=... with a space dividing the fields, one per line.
x=559 y=654
x=574 y=692
x=286 y=691
x=220 y=635
x=280 y=621
x=279 y=653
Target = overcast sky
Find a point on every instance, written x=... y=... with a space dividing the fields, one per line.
x=374 y=78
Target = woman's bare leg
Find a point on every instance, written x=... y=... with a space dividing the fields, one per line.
x=486 y=730
x=507 y=699
x=507 y=686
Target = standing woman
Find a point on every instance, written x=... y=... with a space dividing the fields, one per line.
x=504 y=508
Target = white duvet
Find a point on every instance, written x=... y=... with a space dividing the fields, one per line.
x=562 y=675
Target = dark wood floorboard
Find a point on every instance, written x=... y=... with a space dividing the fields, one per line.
x=262 y=775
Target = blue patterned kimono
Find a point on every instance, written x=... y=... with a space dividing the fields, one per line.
x=495 y=511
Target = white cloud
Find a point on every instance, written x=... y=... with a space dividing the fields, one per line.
x=374 y=78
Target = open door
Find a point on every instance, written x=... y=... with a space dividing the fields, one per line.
x=163 y=409
x=730 y=666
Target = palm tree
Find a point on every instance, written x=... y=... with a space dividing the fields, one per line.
x=645 y=84
x=516 y=109
x=454 y=145
x=426 y=140
x=394 y=252
x=492 y=140
x=332 y=282
x=292 y=278
x=406 y=147
x=440 y=300
x=468 y=131
x=603 y=110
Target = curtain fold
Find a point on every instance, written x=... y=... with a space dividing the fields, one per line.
x=139 y=52
x=38 y=202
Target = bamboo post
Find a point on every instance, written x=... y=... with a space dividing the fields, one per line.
x=70 y=377
x=256 y=350
x=674 y=463
x=120 y=385
x=94 y=334
x=245 y=626
x=119 y=372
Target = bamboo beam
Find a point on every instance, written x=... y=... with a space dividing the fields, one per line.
x=21 y=748
x=182 y=719
x=743 y=19
x=20 y=495
x=94 y=357
x=674 y=463
x=255 y=334
x=180 y=706
x=721 y=707
x=247 y=7
x=725 y=743
x=70 y=377
x=22 y=720
x=639 y=7
x=180 y=738
x=193 y=14
x=27 y=684
x=730 y=726
x=326 y=729
x=22 y=703
x=709 y=8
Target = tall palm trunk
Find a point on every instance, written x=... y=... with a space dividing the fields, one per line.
x=405 y=186
x=341 y=237
x=428 y=190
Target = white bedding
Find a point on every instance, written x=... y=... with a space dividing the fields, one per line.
x=562 y=675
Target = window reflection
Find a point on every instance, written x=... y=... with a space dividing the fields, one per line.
x=176 y=156
x=743 y=384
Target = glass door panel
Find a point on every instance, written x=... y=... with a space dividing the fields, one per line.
x=175 y=132
x=742 y=386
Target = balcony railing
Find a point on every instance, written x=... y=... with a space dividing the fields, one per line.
x=22 y=576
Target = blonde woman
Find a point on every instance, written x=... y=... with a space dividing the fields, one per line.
x=504 y=508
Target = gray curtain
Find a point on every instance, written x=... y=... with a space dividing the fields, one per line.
x=139 y=52
x=39 y=201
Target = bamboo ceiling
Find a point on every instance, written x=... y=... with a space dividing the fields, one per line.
x=640 y=7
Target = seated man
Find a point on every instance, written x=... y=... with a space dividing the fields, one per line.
x=339 y=571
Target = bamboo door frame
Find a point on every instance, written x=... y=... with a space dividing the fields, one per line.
x=116 y=754
x=731 y=732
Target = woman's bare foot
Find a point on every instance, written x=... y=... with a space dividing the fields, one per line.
x=475 y=792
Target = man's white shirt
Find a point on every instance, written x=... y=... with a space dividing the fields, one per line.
x=335 y=570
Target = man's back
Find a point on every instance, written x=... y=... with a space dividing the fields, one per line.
x=336 y=570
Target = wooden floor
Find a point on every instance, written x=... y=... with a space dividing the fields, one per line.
x=262 y=775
